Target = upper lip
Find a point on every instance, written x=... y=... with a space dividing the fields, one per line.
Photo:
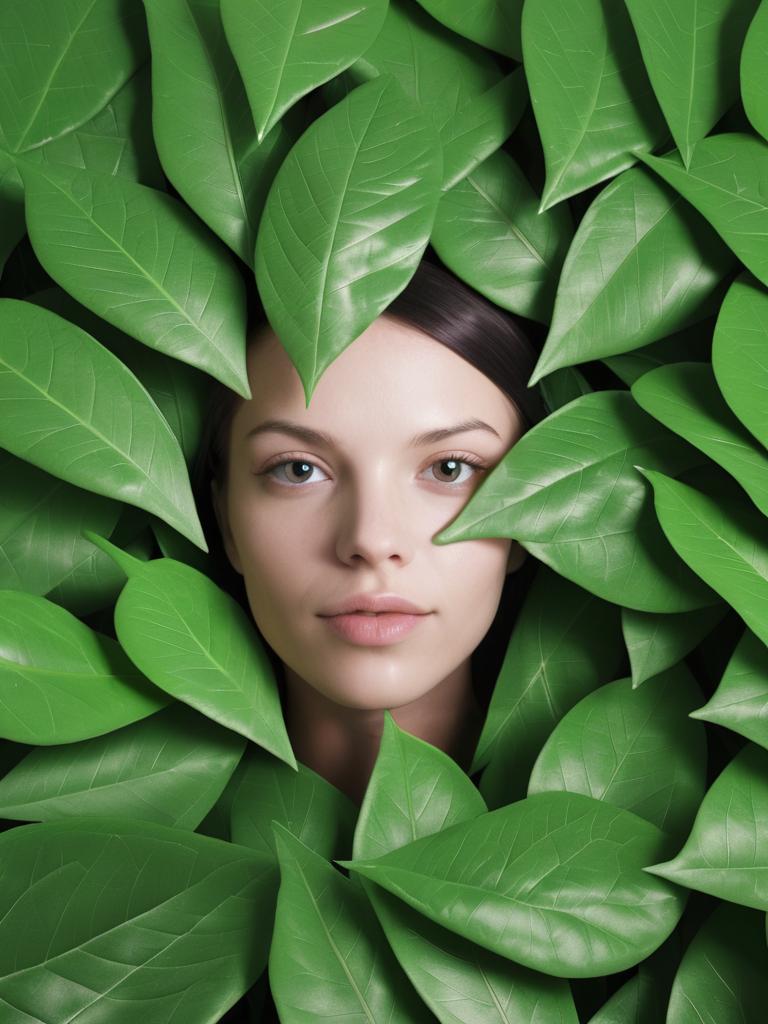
x=374 y=603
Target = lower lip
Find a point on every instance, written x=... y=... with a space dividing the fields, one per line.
x=374 y=630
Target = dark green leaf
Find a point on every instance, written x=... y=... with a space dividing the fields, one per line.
x=741 y=699
x=656 y=642
x=754 y=71
x=491 y=23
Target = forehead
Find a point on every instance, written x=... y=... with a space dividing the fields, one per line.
x=393 y=375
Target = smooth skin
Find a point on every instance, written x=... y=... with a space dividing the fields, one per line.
x=361 y=518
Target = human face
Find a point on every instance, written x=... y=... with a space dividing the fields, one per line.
x=361 y=517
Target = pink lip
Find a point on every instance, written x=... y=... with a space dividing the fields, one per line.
x=373 y=630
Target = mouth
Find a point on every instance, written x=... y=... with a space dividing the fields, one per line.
x=374 y=629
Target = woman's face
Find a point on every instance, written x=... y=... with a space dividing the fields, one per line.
x=356 y=513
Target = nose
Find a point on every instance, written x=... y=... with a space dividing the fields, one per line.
x=375 y=523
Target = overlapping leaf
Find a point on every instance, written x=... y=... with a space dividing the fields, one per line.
x=491 y=23
x=753 y=71
x=657 y=642
x=740 y=701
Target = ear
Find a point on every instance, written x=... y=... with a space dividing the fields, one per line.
x=219 y=502
x=517 y=555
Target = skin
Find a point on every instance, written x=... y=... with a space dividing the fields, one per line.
x=362 y=519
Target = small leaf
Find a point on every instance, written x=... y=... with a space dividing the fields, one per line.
x=754 y=71
x=73 y=409
x=656 y=642
x=740 y=701
x=554 y=882
x=725 y=181
x=346 y=221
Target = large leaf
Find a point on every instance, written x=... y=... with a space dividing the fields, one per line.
x=203 y=128
x=580 y=459
x=657 y=642
x=195 y=641
x=642 y=265
x=685 y=398
x=170 y=768
x=726 y=853
x=73 y=409
x=61 y=63
x=740 y=701
x=691 y=51
x=488 y=231
x=754 y=71
x=491 y=23
x=141 y=261
x=594 y=105
x=180 y=934
x=302 y=801
x=725 y=181
x=740 y=353
x=611 y=744
x=285 y=49
x=59 y=680
x=346 y=221
x=722 y=541
x=554 y=882
x=327 y=949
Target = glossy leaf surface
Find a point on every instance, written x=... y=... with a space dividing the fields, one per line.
x=489 y=233
x=494 y=24
x=73 y=409
x=753 y=71
x=642 y=265
x=139 y=260
x=181 y=932
x=581 y=459
x=194 y=641
x=287 y=48
x=725 y=181
x=691 y=50
x=740 y=701
x=346 y=222
x=513 y=880
x=657 y=642
x=594 y=105
x=610 y=745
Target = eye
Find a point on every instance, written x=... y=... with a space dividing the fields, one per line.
x=450 y=464
x=298 y=471
x=301 y=467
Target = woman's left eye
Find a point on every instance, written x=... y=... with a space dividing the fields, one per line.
x=453 y=462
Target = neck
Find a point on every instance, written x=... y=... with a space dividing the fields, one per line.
x=342 y=743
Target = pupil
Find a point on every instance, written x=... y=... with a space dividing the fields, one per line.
x=450 y=462
x=304 y=466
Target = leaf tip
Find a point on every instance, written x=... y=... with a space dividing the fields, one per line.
x=128 y=563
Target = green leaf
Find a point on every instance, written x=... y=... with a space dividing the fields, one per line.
x=580 y=458
x=494 y=24
x=41 y=519
x=287 y=48
x=656 y=642
x=73 y=409
x=593 y=103
x=142 y=262
x=488 y=232
x=685 y=398
x=59 y=680
x=691 y=344
x=170 y=768
x=559 y=886
x=345 y=224
x=461 y=982
x=61 y=64
x=415 y=789
x=194 y=641
x=562 y=386
x=691 y=52
x=553 y=659
x=327 y=948
x=302 y=801
x=641 y=266
x=203 y=128
x=725 y=181
x=739 y=352
x=722 y=540
x=181 y=932
x=740 y=701
x=726 y=853
x=753 y=73
x=612 y=743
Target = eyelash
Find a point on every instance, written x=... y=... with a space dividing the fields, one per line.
x=468 y=460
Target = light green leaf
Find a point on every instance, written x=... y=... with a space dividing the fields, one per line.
x=754 y=71
x=345 y=224
x=286 y=48
x=73 y=409
x=691 y=52
x=642 y=265
x=59 y=680
x=656 y=642
x=593 y=103
x=488 y=232
x=740 y=701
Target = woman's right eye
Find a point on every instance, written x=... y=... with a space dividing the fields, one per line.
x=298 y=466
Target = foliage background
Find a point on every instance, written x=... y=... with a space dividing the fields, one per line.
x=600 y=169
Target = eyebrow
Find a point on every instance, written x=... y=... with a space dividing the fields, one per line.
x=311 y=436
